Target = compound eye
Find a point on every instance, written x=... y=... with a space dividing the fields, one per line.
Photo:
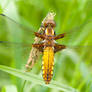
x=53 y=24
x=46 y=24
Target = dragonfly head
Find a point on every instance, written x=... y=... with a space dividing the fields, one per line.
x=49 y=27
x=49 y=23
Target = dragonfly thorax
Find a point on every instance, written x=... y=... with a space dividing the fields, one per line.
x=49 y=31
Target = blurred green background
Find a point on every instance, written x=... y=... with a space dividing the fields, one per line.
x=73 y=66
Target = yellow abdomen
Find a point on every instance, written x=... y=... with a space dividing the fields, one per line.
x=47 y=64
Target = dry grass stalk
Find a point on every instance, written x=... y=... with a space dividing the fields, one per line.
x=34 y=53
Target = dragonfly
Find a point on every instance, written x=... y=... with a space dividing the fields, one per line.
x=46 y=44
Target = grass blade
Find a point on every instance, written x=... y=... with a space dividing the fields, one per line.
x=37 y=80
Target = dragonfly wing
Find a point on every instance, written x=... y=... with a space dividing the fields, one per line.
x=78 y=42
x=7 y=47
x=11 y=30
x=8 y=44
x=12 y=39
x=76 y=54
x=78 y=34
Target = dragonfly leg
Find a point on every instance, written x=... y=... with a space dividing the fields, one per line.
x=59 y=36
x=39 y=46
x=58 y=47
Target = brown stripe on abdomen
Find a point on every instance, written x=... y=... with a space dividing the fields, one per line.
x=47 y=64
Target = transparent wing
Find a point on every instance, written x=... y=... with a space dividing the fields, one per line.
x=15 y=39
x=7 y=44
x=79 y=35
x=10 y=30
x=78 y=42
